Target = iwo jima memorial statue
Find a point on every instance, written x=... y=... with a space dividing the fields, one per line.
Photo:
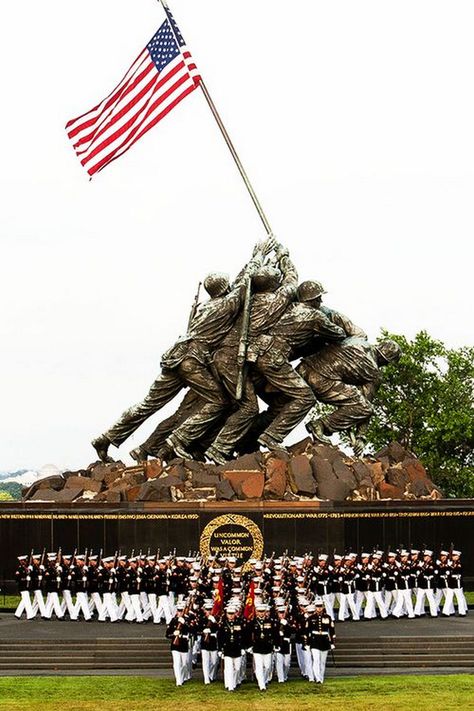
x=261 y=354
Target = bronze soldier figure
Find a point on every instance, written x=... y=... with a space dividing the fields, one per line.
x=346 y=375
x=188 y=364
x=274 y=290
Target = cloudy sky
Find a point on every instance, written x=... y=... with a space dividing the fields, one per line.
x=355 y=123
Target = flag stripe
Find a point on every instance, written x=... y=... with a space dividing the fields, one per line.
x=162 y=87
x=132 y=121
x=95 y=123
x=150 y=120
x=154 y=121
x=105 y=103
x=142 y=88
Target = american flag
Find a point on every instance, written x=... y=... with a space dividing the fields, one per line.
x=160 y=77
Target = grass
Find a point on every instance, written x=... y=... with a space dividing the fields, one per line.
x=395 y=693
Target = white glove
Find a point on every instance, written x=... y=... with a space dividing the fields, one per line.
x=182 y=620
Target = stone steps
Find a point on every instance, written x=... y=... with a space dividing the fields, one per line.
x=148 y=654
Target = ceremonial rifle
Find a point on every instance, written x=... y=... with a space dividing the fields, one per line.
x=243 y=341
x=194 y=306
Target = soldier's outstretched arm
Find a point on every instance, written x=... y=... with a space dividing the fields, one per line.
x=260 y=250
x=288 y=269
x=344 y=322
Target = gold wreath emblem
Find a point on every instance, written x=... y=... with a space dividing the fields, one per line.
x=232 y=519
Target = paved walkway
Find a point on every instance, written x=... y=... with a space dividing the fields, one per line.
x=12 y=628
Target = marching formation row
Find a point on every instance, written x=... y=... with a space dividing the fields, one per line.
x=398 y=583
x=217 y=609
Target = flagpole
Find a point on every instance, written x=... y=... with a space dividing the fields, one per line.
x=227 y=139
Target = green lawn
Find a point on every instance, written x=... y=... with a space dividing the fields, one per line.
x=137 y=694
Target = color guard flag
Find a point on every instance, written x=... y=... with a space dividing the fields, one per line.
x=249 y=610
x=218 y=599
x=162 y=75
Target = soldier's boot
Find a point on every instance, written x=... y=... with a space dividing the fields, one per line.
x=101 y=445
x=215 y=455
x=139 y=454
x=357 y=442
x=178 y=447
x=316 y=429
x=270 y=443
x=165 y=453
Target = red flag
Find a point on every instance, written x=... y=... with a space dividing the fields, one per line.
x=218 y=599
x=249 y=611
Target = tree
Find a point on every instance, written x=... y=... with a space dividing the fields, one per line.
x=6 y=496
x=426 y=402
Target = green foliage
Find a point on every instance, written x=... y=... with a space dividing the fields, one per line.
x=13 y=489
x=6 y=496
x=426 y=402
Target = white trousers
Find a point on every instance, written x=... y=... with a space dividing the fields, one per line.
x=301 y=658
x=262 y=668
x=420 y=602
x=146 y=608
x=347 y=601
x=308 y=663
x=163 y=609
x=448 y=607
x=180 y=667
x=243 y=668
x=375 y=599
x=404 y=604
x=282 y=666
x=53 y=603
x=359 y=599
x=439 y=596
x=329 y=600
x=82 y=605
x=109 y=608
x=390 y=600
x=210 y=665
x=232 y=672
x=125 y=607
x=96 y=602
x=38 y=603
x=25 y=606
x=67 y=604
x=137 y=609
x=319 y=664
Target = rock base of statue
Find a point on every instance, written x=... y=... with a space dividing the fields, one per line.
x=307 y=472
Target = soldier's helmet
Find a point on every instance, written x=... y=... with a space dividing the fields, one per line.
x=216 y=284
x=266 y=279
x=310 y=290
x=389 y=350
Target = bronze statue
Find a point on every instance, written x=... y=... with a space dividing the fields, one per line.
x=239 y=348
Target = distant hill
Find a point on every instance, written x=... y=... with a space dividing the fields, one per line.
x=7 y=475
x=27 y=477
